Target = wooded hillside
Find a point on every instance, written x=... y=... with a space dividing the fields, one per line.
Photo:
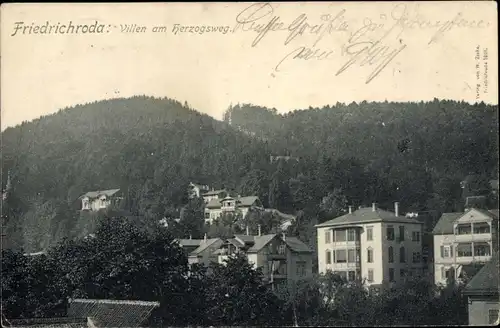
x=414 y=153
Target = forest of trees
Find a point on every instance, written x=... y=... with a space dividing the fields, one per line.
x=349 y=154
x=122 y=260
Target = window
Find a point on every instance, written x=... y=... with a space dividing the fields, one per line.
x=391 y=274
x=207 y=215
x=492 y=316
x=415 y=236
x=301 y=269
x=390 y=233
x=327 y=237
x=481 y=227
x=340 y=235
x=369 y=255
x=351 y=235
x=416 y=257
x=464 y=249
x=351 y=275
x=370 y=275
x=369 y=233
x=391 y=254
x=402 y=255
x=463 y=229
x=482 y=249
x=446 y=251
x=281 y=249
x=341 y=256
x=328 y=257
x=351 y=256
x=401 y=233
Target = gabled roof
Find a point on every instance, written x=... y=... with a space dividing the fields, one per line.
x=95 y=194
x=247 y=201
x=246 y=239
x=485 y=282
x=261 y=242
x=297 y=245
x=112 y=313
x=366 y=215
x=203 y=246
x=240 y=201
x=445 y=224
x=214 y=192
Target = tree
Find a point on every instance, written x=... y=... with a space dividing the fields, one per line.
x=239 y=296
x=192 y=218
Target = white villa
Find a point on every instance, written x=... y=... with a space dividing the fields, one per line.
x=463 y=242
x=97 y=200
x=373 y=244
x=216 y=206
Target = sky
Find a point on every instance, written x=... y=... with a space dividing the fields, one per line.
x=42 y=73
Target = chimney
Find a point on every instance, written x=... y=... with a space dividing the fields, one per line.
x=190 y=237
x=396 y=208
x=350 y=209
x=374 y=207
x=284 y=236
x=259 y=229
x=205 y=238
x=248 y=232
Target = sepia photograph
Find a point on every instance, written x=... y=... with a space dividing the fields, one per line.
x=249 y=164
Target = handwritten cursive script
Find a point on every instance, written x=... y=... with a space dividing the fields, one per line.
x=260 y=18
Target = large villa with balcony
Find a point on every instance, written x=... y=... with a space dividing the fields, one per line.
x=370 y=243
x=463 y=242
x=217 y=206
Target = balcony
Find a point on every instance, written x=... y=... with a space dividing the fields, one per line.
x=464 y=238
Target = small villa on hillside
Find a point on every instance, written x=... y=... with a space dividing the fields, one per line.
x=215 y=207
x=98 y=200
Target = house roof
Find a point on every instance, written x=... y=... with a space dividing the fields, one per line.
x=485 y=282
x=95 y=194
x=297 y=245
x=65 y=322
x=214 y=192
x=261 y=242
x=241 y=201
x=112 y=313
x=246 y=239
x=365 y=215
x=189 y=242
x=445 y=224
x=203 y=246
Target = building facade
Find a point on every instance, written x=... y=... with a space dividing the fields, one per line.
x=483 y=296
x=463 y=240
x=372 y=244
x=234 y=205
x=282 y=259
x=98 y=200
